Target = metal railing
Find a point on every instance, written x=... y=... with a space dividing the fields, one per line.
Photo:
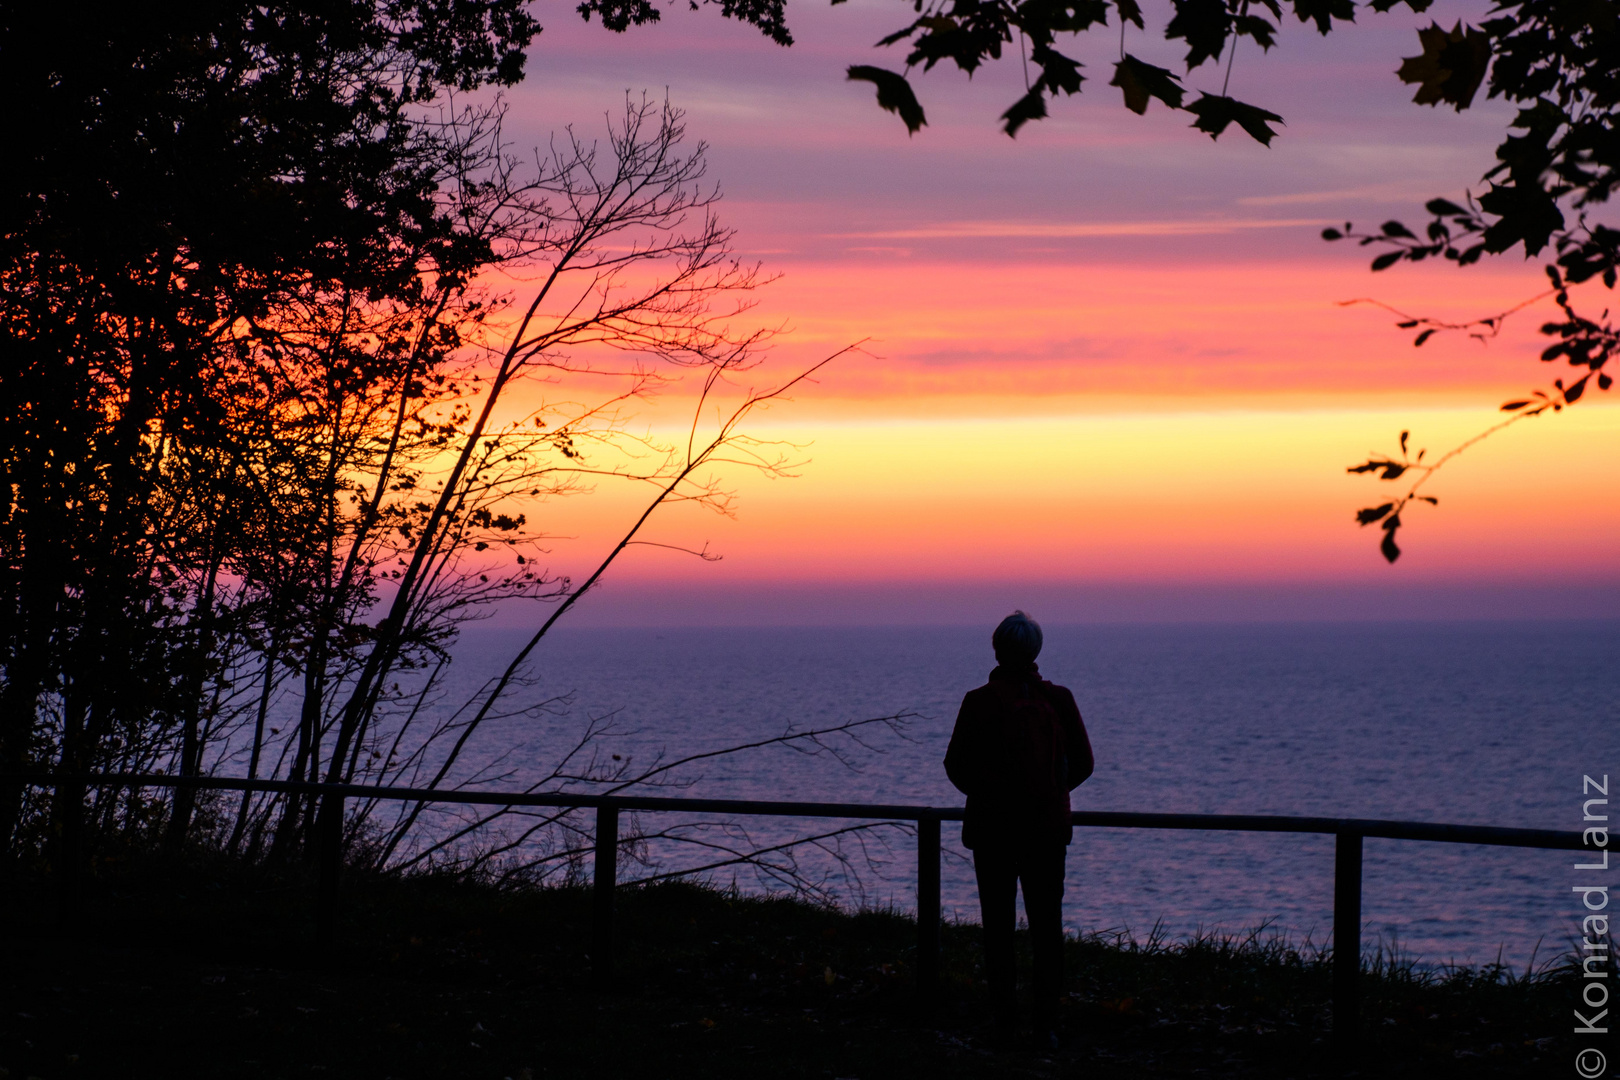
x=1348 y=832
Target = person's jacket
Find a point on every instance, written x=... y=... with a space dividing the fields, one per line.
x=1019 y=748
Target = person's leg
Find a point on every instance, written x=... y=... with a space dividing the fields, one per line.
x=997 y=873
x=1041 y=871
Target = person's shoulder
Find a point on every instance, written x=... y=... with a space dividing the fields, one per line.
x=1057 y=691
x=981 y=698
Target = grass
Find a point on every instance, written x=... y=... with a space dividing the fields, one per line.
x=205 y=968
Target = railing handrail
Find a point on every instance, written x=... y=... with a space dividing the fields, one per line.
x=1494 y=835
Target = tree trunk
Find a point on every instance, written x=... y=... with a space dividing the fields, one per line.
x=185 y=796
x=265 y=691
x=67 y=812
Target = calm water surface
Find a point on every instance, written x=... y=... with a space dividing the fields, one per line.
x=1478 y=723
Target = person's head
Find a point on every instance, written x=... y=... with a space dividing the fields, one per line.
x=1017 y=640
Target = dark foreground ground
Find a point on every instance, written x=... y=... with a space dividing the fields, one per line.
x=207 y=970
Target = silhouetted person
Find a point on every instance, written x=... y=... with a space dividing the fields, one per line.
x=1018 y=749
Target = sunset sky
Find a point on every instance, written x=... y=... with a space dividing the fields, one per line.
x=1106 y=371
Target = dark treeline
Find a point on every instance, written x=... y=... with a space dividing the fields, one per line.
x=256 y=440
x=257 y=458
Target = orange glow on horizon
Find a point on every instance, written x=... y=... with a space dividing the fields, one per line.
x=1107 y=351
x=1251 y=332
x=1100 y=423
x=1193 y=496
x=986 y=340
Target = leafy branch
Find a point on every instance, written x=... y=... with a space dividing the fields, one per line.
x=1388 y=515
x=1584 y=343
x=1558 y=61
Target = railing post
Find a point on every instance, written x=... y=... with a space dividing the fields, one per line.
x=604 y=874
x=328 y=865
x=1346 y=940
x=927 y=907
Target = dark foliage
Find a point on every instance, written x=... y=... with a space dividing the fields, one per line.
x=1558 y=59
x=182 y=181
x=202 y=968
x=248 y=435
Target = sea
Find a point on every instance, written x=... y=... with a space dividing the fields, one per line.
x=1490 y=723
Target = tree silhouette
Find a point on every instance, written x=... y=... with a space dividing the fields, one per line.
x=183 y=180
x=259 y=443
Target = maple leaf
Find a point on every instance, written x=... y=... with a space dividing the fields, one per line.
x=1215 y=113
x=1451 y=66
x=1527 y=214
x=1323 y=12
x=893 y=94
x=1032 y=106
x=1141 y=81
x=1058 y=72
x=1204 y=25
